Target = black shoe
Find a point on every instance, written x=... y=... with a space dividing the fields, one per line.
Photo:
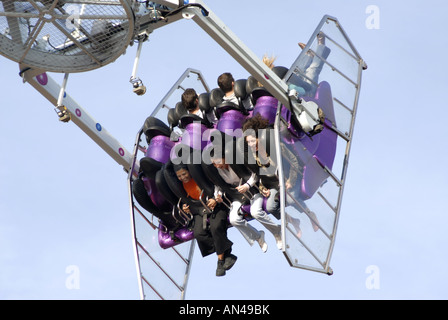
x=229 y=261
x=220 y=270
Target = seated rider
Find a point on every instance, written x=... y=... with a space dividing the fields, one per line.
x=230 y=177
x=226 y=83
x=215 y=238
x=190 y=100
x=266 y=164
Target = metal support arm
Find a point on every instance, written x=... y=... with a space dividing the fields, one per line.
x=46 y=86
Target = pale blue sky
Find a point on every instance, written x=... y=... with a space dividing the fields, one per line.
x=63 y=201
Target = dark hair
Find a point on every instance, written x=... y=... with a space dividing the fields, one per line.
x=180 y=166
x=225 y=82
x=189 y=98
x=255 y=123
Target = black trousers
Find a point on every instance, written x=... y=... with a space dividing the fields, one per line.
x=214 y=238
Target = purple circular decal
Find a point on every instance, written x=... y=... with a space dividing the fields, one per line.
x=78 y=112
x=121 y=151
x=42 y=78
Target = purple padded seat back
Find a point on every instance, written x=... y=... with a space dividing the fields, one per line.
x=231 y=123
x=158 y=137
x=326 y=148
x=182 y=234
x=163 y=187
x=196 y=134
x=159 y=148
x=266 y=106
x=231 y=115
x=313 y=177
x=292 y=134
x=322 y=148
x=156 y=197
x=141 y=195
x=165 y=218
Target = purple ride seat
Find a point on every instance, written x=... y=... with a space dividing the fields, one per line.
x=266 y=106
x=231 y=122
x=320 y=150
x=196 y=133
x=168 y=238
x=196 y=136
x=230 y=116
x=184 y=234
x=158 y=137
x=157 y=199
x=197 y=130
x=144 y=188
x=316 y=152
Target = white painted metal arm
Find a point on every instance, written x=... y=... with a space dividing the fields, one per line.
x=45 y=85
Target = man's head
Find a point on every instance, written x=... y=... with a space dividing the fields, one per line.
x=190 y=100
x=226 y=82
